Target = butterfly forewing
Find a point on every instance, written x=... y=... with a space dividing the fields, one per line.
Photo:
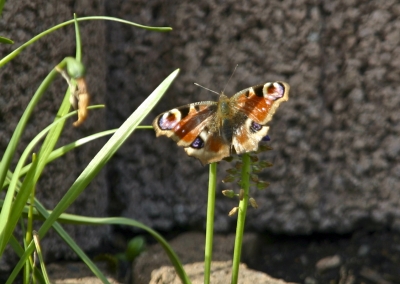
x=184 y=124
x=260 y=102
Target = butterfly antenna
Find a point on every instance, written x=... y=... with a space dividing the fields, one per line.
x=230 y=77
x=206 y=88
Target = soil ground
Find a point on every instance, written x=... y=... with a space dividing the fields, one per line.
x=366 y=257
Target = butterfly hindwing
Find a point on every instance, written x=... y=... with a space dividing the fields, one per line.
x=211 y=148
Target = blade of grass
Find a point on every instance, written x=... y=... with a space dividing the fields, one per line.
x=29 y=227
x=10 y=220
x=2 y=2
x=99 y=161
x=5 y=40
x=12 y=145
x=54 y=134
x=40 y=213
x=41 y=260
x=62 y=151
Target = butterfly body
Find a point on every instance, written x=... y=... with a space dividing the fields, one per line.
x=211 y=131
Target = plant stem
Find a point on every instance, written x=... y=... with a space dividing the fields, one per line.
x=245 y=182
x=212 y=182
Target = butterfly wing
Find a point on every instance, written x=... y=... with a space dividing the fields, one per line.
x=255 y=106
x=189 y=126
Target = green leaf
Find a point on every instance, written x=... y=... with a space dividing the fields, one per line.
x=6 y=40
x=2 y=2
x=98 y=162
x=135 y=247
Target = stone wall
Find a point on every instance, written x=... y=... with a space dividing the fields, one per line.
x=336 y=142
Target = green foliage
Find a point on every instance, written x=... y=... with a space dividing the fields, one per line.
x=135 y=247
x=2 y=2
x=19 y=184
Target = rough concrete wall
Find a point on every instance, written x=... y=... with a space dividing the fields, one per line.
x=336 y=142
x=20 y=78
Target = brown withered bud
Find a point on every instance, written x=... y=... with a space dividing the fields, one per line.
x=253 y=202
x=238 y=165
x=253 y=158
x=83 y=98
x=262 y=184
x=232 y=171
x=241 y=194
x=229 y=178
x=256 y=169
x=79 y=97
x=254 y=177
x=265 y=164
x=233 y=211
x=263 y=148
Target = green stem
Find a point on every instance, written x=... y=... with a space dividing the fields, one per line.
x=212 y=182
x=241 y=217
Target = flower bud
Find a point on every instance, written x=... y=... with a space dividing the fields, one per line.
x=75 y=69
x=229 y=193
x=253 y=202
x=254 y=177
x=233 y=211
x=241 y=194
x=262 y=184
x=229 y=178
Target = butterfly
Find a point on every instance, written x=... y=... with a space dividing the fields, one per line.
x=211 y=131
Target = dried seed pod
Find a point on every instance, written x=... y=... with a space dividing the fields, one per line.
x=233 y=211
x=229 y=178
x=262 y=184
x=254 y=177
x=241 y=194
x=253 y=202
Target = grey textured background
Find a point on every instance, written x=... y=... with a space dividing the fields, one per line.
x=336 y=142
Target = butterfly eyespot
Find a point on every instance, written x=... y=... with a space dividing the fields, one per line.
x=274 y=91
x=255 y=127
x=198 y=143
x=169 y=119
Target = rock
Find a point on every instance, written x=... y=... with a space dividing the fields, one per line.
x=328 y=262
x=76 y=273
x=220 y=274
